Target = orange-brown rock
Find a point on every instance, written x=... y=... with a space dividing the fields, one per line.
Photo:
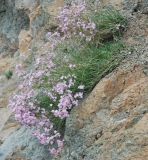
x=53 y=9
x=112 y=123
x=24 y=41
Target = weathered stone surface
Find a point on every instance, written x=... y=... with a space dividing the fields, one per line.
x=22 y=146
x=16 y=142
x=112 y=122
x=12 y=20
x=24 y=41
x=29 y=15
x=7 y=87
x=133 y=6
x=118 y=4
x=54 y=6
x=144 y=6
x=26 y=4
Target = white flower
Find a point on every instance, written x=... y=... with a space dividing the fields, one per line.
x=81 y=87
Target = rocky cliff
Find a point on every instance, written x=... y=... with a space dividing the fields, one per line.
x=23 y=25
x=111 y=123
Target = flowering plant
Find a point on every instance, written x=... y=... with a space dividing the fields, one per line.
x=74 y=21
x=43 y=102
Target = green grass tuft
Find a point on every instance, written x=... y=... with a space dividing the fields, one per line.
x=108 y=19
x=8 y=74
x=92 y=63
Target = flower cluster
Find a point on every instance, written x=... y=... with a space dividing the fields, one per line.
x=29 y=112
x=54 y=38
x=63 y=93
x=26 y=109
x=74 y=21
x=67 y=99
x=32 y=116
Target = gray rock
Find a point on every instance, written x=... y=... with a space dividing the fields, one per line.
x=15 y=16
x=22 y=144
x=12 y=20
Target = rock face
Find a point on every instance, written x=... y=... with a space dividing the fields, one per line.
x=22 y=24
x=22 y=146
x=16 y=143
x=12 y=20
x=15 y=16
x=112 y=122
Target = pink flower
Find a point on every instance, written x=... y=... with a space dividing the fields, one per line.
x=48 y=35
x=60 y=87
